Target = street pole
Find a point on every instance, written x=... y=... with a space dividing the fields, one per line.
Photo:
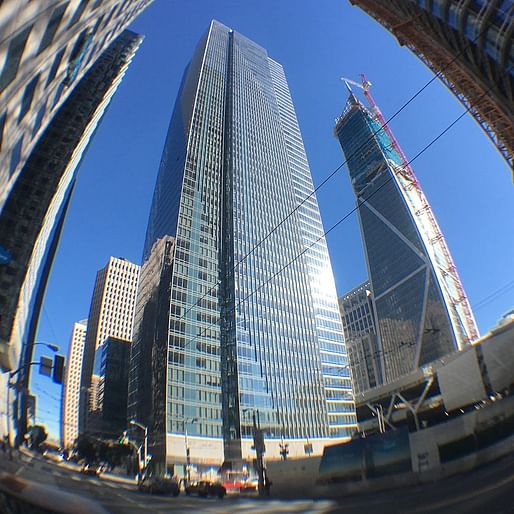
x=188 y=450
x=188 y=458
x=145 y=443
x=258 y=442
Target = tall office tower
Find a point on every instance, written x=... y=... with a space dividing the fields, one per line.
x=111 y=315
x=71 y=386
x=148 y=364
x=33 y=215
x=469 y=44
x=45 y=50
x=421 y=307
x=111 y=408
x=360 y=335
x=254 y=328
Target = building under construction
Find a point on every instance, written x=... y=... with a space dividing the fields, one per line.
x=421 y=310
x=469 y=45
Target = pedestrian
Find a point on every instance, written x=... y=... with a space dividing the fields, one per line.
x=267 y=483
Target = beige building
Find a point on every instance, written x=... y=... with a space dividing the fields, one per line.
x=71 y=387
x=111 y=315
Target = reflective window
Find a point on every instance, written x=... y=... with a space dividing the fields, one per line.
x=12 y=61
x=15 y=156
x=51 y=28
x=28 y=95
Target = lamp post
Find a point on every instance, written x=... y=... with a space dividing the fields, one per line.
x=23 y=389
x=145 y=444
x=259 y=447
x=188 y=452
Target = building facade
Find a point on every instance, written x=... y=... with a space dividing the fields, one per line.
x=254 y=322
x=111 y=407
x=71 y=386
x=46 y=48
x=111 y=315
x=33 y=215
x=147 y=383
x=469 y=44
x=421 y=310
x=360 y=334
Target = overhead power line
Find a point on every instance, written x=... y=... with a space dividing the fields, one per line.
x=341 y=220
x=333 y=173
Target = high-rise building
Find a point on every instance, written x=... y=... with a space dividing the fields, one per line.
x=45 y=50
x=469 y=45
x=254 y=327
x=358 y=316
x=111 y=315
x=111 y=408
x=33 y=215
x=148 y=364
x=421 y=310
x=71 y=386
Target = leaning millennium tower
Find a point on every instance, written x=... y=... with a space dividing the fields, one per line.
x=421 y=310
x=254 y=326
x=469 y=44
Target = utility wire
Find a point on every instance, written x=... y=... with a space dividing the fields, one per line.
x=329 y=177
x=494 y=295
x=346 y=216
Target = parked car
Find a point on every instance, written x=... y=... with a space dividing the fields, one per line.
x=159 y=485
x=205 y=488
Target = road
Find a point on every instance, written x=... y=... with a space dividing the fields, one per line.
x=488 y=489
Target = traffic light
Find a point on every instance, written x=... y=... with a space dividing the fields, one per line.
x=58 y=371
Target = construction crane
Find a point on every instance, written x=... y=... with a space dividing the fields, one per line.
x=421 y=210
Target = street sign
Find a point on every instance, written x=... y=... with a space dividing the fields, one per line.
x=45 y=366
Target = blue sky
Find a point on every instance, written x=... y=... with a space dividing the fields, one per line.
x=464 y=178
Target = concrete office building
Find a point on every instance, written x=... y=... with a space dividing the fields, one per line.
x=148 y=364
x=33 y=216
x=111 y=315
x=71 y=386
x=251 y=331
x=358 y=316
x=111 y=407
x=46 y=48
x=422 y=311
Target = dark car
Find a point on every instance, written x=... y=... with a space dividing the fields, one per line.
x=159 y=485
x=89 y=469
x=205 y=488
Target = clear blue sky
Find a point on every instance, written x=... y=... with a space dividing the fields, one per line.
x=465 y=180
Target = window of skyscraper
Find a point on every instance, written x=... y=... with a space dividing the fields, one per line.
x=55 y=66
x=51 y=28
x=15 y=155
x=12 y=61
x=78 y=12
x=28 y=95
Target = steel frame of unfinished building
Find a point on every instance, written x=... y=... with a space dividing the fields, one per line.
x=457 y=39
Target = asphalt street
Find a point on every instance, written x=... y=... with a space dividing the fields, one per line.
x=487 y=490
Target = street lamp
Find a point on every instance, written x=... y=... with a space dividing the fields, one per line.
x=50 y=346
x=142 y=427
x=188 y=452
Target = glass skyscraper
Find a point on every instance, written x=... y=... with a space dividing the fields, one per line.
x=254 y=325
x=421 y=308
x=468 y=44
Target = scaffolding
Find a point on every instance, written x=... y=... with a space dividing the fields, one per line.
x=445 y=270
x=460 y=63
